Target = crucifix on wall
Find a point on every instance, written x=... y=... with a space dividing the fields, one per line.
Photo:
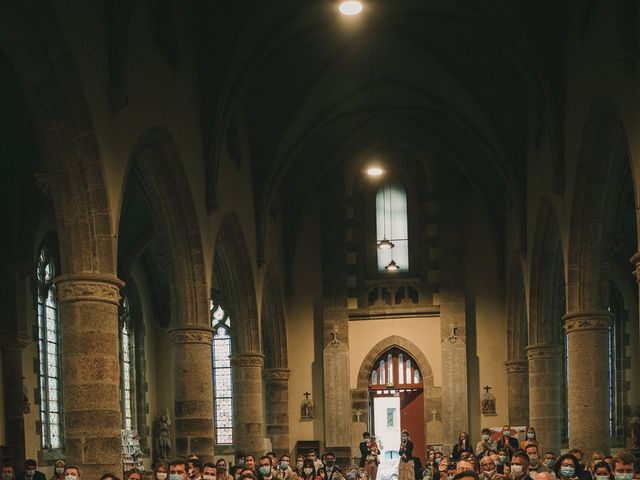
x=488 y=402
x=306 y=407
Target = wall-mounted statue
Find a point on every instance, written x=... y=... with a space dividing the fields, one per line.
x=488 y=402
x=306 y=407
x=164 y=436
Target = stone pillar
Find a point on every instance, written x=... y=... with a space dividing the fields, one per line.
x=193 y=391
x=91 y=371
x=248 y=415
x=588 y=341
x=518 y=392
x=15 y=401
x=545 y=394
x=276 y=381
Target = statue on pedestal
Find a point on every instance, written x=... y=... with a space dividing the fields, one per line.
x=164 y=437
x=306 y=408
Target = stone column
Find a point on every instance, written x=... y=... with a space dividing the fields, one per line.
x=91 y=371
x=193 y=391
x=588 y=341
x=15 y=401
x=545 y=394
x=248 y=418
x=276 y=382
x=518 y=392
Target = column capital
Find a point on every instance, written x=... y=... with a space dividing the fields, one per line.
x=13 y=341
x=247 y=360
x=587 y=320
x=635 y=261
x=92 y=287
x=516 y=367
x=274 y=374
x=543 y=350
x=189 y=334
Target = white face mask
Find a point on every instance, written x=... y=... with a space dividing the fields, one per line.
x=208 y=477
x=59 y=470
x=70 y=477
x=161 y=475
x=516 y=470
x=485 y=437
x=602 y=477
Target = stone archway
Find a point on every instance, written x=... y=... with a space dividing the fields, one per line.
x=88 y=289
x=233 y=283
x=545 y=353
x=602 y=170
x=158 y=168
x=432 y=394
x=276 y=372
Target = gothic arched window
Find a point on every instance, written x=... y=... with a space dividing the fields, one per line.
x=222 y=387
x=392 y=224
x=127 y=370
x=49 y=378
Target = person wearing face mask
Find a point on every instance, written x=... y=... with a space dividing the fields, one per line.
x=485 y=445
x=567 y=467
x=488 y=469
x=530 y=439
x=549 y=460
x=133 y=474
x=178 y=470
x=31 y=471
x=221 y=471
x=623 y=465
x=463 y=445
x=284 y=471
x=602 y=471
x=8 y=473
x=406 y=465
x=265 y=471
x=236 y=469
x=297 y=469
x=507 y=442
x=161 y=471
x=535 y=465
x=309 y=470
x=58 y=470
x=72 y=473
x=330 y=470
x=520 y=466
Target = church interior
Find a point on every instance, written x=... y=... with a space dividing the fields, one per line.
x=257 y=226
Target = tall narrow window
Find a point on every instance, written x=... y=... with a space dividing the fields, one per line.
x=49 y=354
x=392 y=224
x=127 y=372
x=222 y=387
x=400 y=369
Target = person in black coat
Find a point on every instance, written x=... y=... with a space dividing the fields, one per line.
x=364 y=449
x=463 y=445
x=506 y=441
x=31 y=472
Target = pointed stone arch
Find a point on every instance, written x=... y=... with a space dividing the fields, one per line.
x=276 y=372
x=546 y=352
x=602 y=176
x=156 y=163
x=234 y=288
x=517 y=340
x=390 y=342
x=158 y=169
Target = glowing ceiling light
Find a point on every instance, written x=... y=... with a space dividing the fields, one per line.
x=351 y=7
x=392 y=267
x=375 y=171
x=385 y=244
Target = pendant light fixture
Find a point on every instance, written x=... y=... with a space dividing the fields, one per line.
x=384 y=244
x=392 y=267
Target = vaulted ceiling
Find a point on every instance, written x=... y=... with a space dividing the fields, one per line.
x=456 y=79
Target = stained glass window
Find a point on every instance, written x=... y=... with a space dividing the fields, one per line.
x=222 y=386
x=127 y=372
x=392 y=224
x=382 y=373
x=49 y=354
x=400 y=368
x=390 y=364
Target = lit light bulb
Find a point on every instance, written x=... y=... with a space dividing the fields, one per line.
x=375 y=171
x=385 y=244
x=351 y=7
x=392 y=267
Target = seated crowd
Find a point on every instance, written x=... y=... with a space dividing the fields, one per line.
x=503 y=459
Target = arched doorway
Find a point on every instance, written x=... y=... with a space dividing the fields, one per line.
x=396 y=402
